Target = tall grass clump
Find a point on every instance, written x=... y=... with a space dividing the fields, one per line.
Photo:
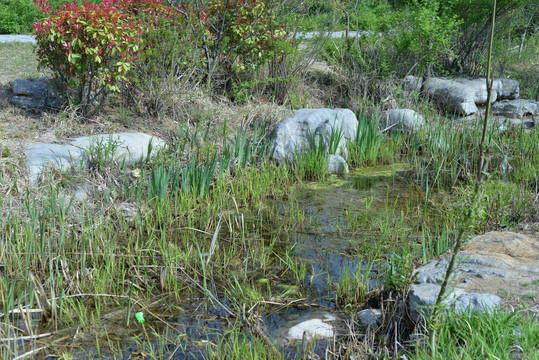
x=196 y=178
x=353 y=287
x=246 y=150
x=370 y=147
x=473 y=335
x=312 y=164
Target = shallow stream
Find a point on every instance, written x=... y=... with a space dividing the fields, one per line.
x=329 y=247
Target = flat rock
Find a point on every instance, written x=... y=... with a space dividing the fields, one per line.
x=124 y=148
x=490 y=264
x=423 y=296
x=461 y=96
x=60 y=156
x=516 y=108
x=452 y=95
x=295 y=134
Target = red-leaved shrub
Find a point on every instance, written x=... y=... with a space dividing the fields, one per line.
x=92 y=48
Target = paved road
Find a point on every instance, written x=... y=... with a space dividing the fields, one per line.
x=334 y=34
x=17 y=38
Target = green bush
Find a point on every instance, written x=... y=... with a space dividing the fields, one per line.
x=18 y=16
x=222 y=46
x=92 y=48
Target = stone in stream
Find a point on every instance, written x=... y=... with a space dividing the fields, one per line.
x=369 y=318
x=404 y=119
x=312 y=329
x=295 y=134
x=336 y=165
x=125 y=148
x=491 y=264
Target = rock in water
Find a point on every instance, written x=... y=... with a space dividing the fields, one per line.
x=312 y=329
x=336 y=165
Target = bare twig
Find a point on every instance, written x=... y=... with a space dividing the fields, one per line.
x=483 y=161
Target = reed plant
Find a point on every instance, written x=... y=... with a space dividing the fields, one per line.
x=353 y=286
x=471 y=335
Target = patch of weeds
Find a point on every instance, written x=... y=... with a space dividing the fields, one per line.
x=295 y=267
x=5 y=152
x=476 y=335
x=399 y=272
x=352 y=289
x=101 y=152
x=365 y=148
x=196 y=178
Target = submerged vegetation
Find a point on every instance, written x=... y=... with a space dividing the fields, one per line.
x=217 y=246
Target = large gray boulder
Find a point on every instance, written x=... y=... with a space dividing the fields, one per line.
x=405 y=119
x=516 y=108
x=37 y=94
x=294 y=134
x=491 y=264
x=506 y=89
x=452 y=95
x=124 y=148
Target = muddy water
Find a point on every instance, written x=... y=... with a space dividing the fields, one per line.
x=325 y=244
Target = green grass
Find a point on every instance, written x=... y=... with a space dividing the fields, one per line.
x=18 y=62
x=499 y=335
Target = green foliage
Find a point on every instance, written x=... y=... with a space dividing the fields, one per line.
x=18 y=16
x=503 y=204
x=311 y=164
x=353 y=287
x=366 y=146
x=101 y=152
x=235 y=38
x=197 y=178
x=92 y=48
x=475 y=335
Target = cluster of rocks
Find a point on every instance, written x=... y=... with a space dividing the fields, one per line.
x=309 y=128
x=464 y=96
